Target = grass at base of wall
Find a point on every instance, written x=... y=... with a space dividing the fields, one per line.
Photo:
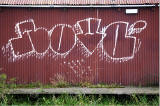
x=65 y=99
x=66 y=85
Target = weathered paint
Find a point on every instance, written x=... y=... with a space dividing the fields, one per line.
x=77 y=2
x=80 y=44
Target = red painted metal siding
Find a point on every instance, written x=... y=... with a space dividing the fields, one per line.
x=81 y=44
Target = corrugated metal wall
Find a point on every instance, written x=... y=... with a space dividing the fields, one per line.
x=80 y=44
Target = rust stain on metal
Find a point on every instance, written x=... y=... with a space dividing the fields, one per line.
x=94 y=45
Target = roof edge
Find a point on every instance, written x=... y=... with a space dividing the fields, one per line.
x=77 y=2
x=85 y=6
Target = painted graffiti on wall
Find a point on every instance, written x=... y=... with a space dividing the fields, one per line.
x=87 y=34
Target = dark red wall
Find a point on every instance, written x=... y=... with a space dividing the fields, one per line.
x=80 y=44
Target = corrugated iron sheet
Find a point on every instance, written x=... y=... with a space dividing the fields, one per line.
x=81 y=44
x=76 y=2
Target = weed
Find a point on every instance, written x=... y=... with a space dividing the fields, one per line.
x=3 y=88
x=59 y=82
x=66 y=99
x=83 y=84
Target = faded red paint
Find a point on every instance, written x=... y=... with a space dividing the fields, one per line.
x=80 y=56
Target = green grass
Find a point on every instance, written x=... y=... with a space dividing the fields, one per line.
x=63 y=85
x=114 y=100
x=58 y=83
x=65 y=99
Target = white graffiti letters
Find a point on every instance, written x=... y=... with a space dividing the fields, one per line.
x=120 y=42
x=88 y=33
x=115 y=41
x=62 y=39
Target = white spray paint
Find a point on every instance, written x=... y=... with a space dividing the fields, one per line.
x=61 y=55
x=128 y=34
x=116 y=38
x=78 y=67
x=130 y=30
x=33 y=52
x=79 y=30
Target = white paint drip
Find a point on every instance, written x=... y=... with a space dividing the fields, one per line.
x=138 y=46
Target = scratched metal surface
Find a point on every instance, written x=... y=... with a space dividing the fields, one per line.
x=81 y=44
